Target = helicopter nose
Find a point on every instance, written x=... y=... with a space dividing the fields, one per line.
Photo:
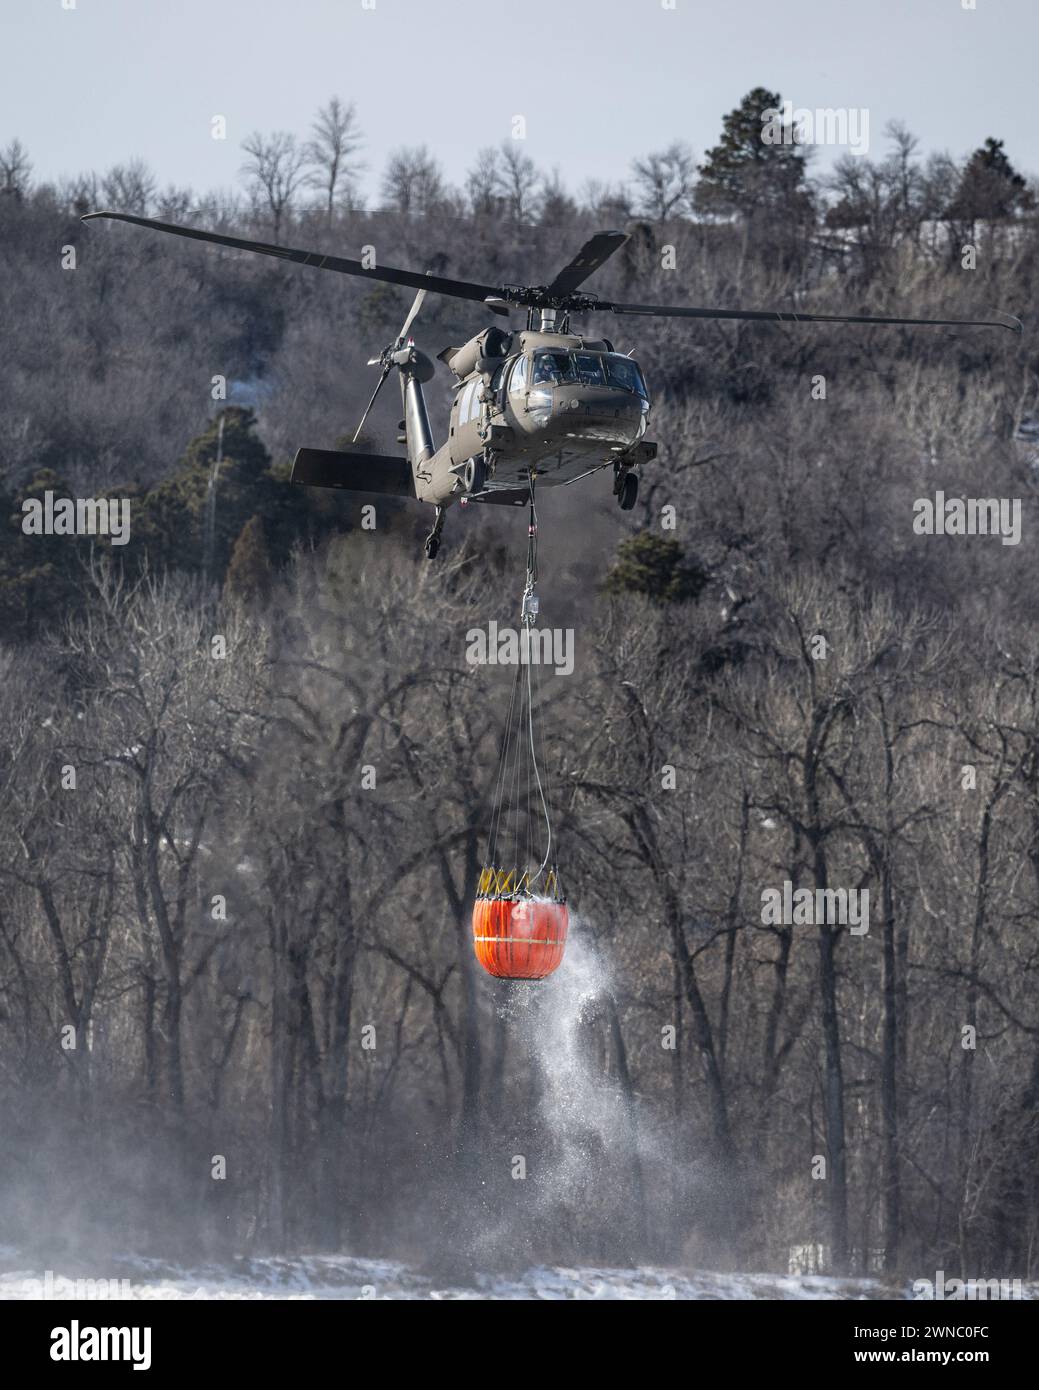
x=607 y=409
x=597 y=413
x=613 y=403
x=598 y=404
x=609 y=417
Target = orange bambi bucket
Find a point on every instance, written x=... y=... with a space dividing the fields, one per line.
x=519 y=938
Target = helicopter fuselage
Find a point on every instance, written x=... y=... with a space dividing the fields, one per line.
x=552 y=404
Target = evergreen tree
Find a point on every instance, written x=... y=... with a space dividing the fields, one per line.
x=249 y=573
x=40 y=575
x=657 y=567
x=192 y=520
x=990 y=186
x=745 y=173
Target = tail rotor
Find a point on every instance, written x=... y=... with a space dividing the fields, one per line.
x=397 y=354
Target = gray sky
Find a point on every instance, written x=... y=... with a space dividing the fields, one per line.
x=598 y=81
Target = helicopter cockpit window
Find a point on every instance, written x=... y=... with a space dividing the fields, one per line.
x=498 y=377
x=465 y=403
x=625 y=373
x=552 y=368
x=518 y=380
x=589 y=369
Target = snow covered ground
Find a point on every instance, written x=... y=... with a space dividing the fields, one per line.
x=347 y=1277
x=343 y=1277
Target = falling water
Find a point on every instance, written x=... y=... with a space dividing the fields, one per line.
x=577 y=1131
x=210 y=523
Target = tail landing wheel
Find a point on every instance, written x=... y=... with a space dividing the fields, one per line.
x=433 y=539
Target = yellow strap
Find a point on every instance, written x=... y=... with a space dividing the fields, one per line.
x=497 y=883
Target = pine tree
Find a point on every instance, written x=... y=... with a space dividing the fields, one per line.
x=745 y=174
x=657 y=567
x=249 y=573
x=990 y=186
x=192 y=520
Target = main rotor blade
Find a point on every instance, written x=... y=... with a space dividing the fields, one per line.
x=591 y=256
x=382 y=377
x=588 y=259
x=790 y=316
x=459 y=289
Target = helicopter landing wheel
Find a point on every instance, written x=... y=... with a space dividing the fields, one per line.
x=475 y=475
x=627 y=489
x=433 y=539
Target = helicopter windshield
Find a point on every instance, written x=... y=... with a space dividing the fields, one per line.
x=553 y=368
x=589 y=369
x=625 y=373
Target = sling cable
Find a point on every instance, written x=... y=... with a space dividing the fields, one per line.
x=520 y=916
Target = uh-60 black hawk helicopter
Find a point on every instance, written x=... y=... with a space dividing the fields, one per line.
x=538 y=403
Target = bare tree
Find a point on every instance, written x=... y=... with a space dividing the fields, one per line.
x=15 y=169
x=519 y=179
x=665 y=181
x=413 y=181
x=129 y=187
x=275 y=167
x=605 y=200
x=174 y=204
x=483 y=182
x=336 y=136
x=80 y=194
x=557 y=208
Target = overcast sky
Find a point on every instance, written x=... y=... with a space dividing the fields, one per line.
x=598 y=81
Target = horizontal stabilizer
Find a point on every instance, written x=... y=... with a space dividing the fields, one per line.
x=354 y=471
x=503 y=496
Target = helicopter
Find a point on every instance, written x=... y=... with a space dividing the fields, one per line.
x=540 y=403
